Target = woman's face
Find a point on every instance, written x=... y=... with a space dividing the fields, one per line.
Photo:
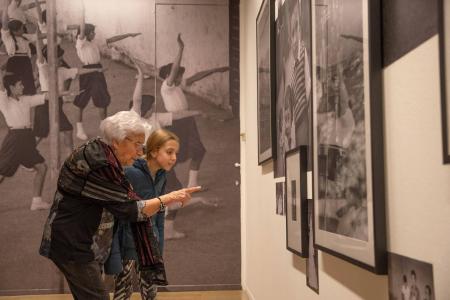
x=166 y=156
x=129 y=148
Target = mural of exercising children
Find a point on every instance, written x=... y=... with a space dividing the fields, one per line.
x=19 y=146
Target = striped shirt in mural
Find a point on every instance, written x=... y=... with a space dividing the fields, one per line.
x=301 y=85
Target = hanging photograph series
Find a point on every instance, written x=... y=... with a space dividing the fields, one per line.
x=324 y=92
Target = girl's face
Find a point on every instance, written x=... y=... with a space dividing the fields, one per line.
x=166 y=156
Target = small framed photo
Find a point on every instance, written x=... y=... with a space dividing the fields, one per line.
x=410 y=278
x=279 y=191
x=265 y=56
x=296 y=203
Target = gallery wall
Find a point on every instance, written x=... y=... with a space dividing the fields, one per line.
x=417 y=189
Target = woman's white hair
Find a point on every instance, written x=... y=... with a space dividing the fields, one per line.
x=123 y=123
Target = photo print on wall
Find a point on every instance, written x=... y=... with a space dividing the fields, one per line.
x=279 y=191
x=296 y=202
x=347 y=133
x=409 y=278
x=293 y=77
x=265 y=53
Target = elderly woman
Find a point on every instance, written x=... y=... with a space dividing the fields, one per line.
x=91 y=190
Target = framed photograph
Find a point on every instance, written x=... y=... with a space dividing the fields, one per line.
x=348 y=179
x=410 y=278
x=444 y=47
x=293 y=78
x=280 y=196
x=296 y=202
x=312 y=264
x=265 y=55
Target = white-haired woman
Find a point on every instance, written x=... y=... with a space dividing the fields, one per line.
x=91 y=190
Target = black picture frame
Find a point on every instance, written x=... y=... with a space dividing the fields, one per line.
x=293 y=78
x=312 y=263
x=266 y=84
x=296 y=202
x=444 y=43
x=348 y=160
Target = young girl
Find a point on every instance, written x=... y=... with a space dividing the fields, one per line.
x=148 y=178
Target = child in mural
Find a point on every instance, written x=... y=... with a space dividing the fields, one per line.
x=65 y=74
x=175 y=100
x=17 y=44
x=19 y=146
x=191 y=146
x=92 y=85
x=17 y=11
x=42 y=26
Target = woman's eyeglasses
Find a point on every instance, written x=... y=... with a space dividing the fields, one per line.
x=139 y=146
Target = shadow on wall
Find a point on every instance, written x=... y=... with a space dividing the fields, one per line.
x=365 y=284
x=299 y=263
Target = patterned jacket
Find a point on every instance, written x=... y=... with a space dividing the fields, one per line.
x=92 y=189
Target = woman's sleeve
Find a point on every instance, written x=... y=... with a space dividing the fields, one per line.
x=106 y=187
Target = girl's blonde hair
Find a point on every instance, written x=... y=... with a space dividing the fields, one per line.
x=157 y=139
